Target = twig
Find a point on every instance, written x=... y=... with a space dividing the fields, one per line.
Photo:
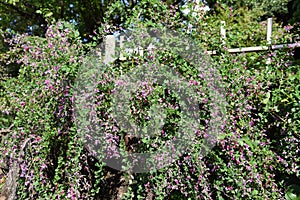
x=6 y=130
x=272 y=112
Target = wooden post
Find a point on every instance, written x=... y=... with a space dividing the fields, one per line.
x=269 y=36
x=269 y=31
x=141 y=51
x=110 y=44
x=223 y=32
x=121 y=46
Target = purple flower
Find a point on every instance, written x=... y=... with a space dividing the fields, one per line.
x=26 y=48
x=43 y=166
x=288 y=27
x=251 y=123
x=176 y=181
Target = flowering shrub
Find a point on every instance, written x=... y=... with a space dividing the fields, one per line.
x=257 y=153
x=39 y=103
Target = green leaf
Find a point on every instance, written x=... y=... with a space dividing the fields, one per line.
x=293 y=192
x=49 y=14
x=254 y=192
x=248 y=142
x=266 y=100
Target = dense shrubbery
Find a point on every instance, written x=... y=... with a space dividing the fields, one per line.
x=257 y=154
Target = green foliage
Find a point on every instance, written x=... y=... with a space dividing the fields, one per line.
x=270 y=8
x=18 y=15
x=296 y=11
x=39 y=110
x=257 y=148
x=293 y=192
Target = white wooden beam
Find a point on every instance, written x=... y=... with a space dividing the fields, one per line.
x=110 y=45
x=269 y=31
x=223 y=32
x=258 y=48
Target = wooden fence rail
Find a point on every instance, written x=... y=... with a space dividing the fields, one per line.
x=111 y=44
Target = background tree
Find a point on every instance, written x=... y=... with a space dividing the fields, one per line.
x=33 y=16
x=283 y=10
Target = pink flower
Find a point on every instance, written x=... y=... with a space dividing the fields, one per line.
x=251 y=123
x=280 y=159
x=176 y=181
x=43 y=166
x=23 y=103
x=287 y=28
x=38 y=139
x=47 y=82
